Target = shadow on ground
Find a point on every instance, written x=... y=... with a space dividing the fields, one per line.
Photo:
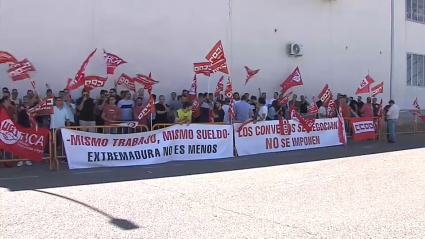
x=39 y=177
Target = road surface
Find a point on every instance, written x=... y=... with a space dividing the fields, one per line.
x=365 y=190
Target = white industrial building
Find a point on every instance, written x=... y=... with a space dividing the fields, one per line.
x=343 y=41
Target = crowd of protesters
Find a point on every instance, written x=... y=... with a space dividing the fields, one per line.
x=110 y=108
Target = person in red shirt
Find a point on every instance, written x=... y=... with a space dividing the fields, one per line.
x=367 y=109
x=136 y=111
x=111 y=114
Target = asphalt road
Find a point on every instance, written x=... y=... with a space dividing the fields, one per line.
x=366 y=190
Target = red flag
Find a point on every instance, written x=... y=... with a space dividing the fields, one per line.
x=217 y=58
x=294 y=79
x=196 y=109
x=211 y=117
x=330 y=111
x=364 y=86
x=7 y=58
x=378 y=89
x=341 y=128
x=81 y=73
x=326 y=95
x=127 y=82
x=202 y=68
x=284 y=126
x=307 y=124
x=44 y=107
x=229 y=94
x=193 y=92
x=221 y=66
x=26 y=143
x=285 y=99
x=33 y=84
x=147 y=110
x=313 y=110
x=246 y=122
x=91 y=82
x=146 y=81
x=416 y=105
x=216 y=53
x=19 y=71
x=422 y=117
x=250 y=73
x=112 y=62
x=219 y=87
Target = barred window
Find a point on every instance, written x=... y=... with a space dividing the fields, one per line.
x=415 y=70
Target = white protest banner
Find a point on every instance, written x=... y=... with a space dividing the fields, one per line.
x=265 y=137
x=175 y=143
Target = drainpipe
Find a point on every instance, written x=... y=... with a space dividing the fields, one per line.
x=392 y=51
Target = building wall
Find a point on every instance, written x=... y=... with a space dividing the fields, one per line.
x=343 y=40
x=408 y=37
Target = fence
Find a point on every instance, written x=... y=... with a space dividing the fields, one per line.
x=55 y=149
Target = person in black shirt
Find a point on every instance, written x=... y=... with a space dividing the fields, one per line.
x=303 y=105
x=86 y=111
x=360 y=104
x=353 y=104
x=23 y=118
x=218 y=112
x=161 y=111
x=113 y=92
x=253 y=103
x=375 y=106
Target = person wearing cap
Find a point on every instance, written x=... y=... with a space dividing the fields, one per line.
x=392 y=117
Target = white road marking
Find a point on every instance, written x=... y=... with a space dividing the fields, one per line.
x=100 y=171
x=24 y=177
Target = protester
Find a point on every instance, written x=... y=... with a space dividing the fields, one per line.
x=367 y=109
x=322 y=110
x=360 y=104
x=162 y=110
x=274 y=110
x=303 y=105
x=111 y=114
x=184 y=115
x=294 y=103
x=85 y=108
x=392 y=116
x=242 y=110
x=60 y=119
x=14 y=98
x=70 y=108
x=375 y=106
x=262 y=110
x=218 y=112
x=173 y=105
x=253 y=103
x=137 y=110
x=225 y=108
x=126 y=106
x=236 y=97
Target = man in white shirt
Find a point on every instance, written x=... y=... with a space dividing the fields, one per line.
x=392 y=116
x=226 y=107
x=262 y=110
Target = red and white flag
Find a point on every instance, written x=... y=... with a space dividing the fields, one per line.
x=378 y=89
x=364 y=86
x=127 y=82
x=229 y=94
x=341 y=127
x=250 y=73
x=91 y=82
x=284 y=99
x=202 y=68
x=112 y=62
x=284 y=126
x=416 y=105
x=325 y=96
x=294 y=79
x=7 y=58
x=196 y=112
x=219 y=87
x=131 y=124
x=146 y=81
x=44 y=107
x=217 y=58
x=193 y=92
x=313 y=110
x=245 y=123
x=81 y=73
x=363 y=128
x=33 y=84
x=306 y=124
x=331 y=109
x=19 y=71
x=27 y=143
x=148 y=109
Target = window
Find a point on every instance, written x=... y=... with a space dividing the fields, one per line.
x=415 y=10
x=415 y=66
